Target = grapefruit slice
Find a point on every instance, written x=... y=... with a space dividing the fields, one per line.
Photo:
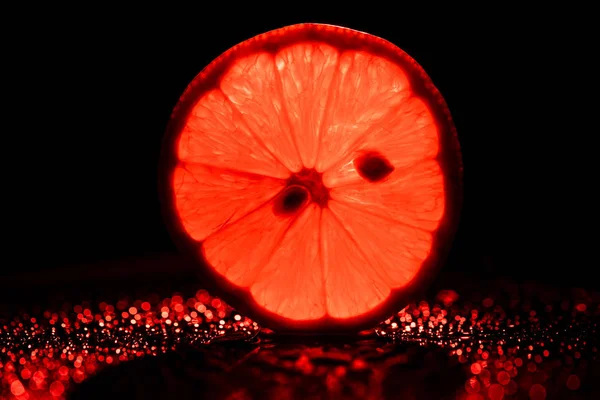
x=315 y=172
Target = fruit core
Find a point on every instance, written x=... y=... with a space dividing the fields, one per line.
x=307 y=185
x=301 y=188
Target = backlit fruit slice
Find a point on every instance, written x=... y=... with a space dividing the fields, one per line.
x=315 y=172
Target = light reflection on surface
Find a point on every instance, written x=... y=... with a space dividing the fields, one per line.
x=504 y=346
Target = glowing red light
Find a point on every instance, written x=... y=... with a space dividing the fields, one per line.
x=316 y=170
x=57 y=388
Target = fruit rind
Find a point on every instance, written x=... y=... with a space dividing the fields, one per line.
x=449 y=159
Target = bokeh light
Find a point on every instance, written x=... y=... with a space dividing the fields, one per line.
x=505 y=346
x=48 y=354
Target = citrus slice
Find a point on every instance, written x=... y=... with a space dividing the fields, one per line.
x=315 y=172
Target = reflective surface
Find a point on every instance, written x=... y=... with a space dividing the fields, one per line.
x=502 y=341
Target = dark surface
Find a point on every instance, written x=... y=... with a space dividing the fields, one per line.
x=507 y=320
x=283 y=371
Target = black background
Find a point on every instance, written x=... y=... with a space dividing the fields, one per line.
x=94 y=91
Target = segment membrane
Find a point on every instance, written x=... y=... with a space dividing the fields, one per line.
x=253 y=86
x=364 y=96
x=239 y=251
x=352 y=285
x=395 y=250
x=413 y=195
x=291 y=283
x=215 y=134
x=208 y=198
x=306 y=72
x=407 y=137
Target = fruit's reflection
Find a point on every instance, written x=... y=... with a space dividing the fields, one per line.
x=276 y=370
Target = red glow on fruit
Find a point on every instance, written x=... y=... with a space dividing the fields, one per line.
x=311 y=169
